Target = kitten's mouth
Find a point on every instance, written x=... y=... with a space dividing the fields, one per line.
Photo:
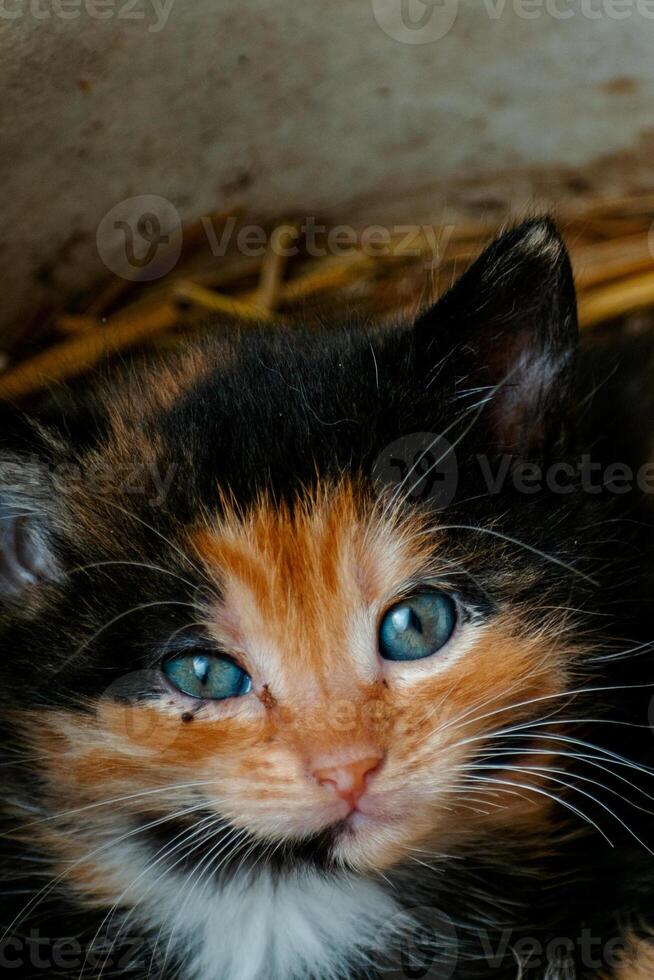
x=355 y=820
x=320 y=848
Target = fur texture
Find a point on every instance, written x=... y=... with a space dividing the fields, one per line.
x=232 y=495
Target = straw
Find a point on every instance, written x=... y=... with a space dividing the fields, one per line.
x=610 y=241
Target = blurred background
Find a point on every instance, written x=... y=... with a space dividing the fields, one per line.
x=364 y=111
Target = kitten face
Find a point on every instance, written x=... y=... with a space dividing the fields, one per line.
x=276 y=548
x=299 y=603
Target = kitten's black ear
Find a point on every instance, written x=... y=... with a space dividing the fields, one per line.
x=26 y=555
x=510 y=327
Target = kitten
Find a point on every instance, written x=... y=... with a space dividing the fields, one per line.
x=323 y=659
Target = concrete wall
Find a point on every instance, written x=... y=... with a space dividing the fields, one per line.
x=337 y=107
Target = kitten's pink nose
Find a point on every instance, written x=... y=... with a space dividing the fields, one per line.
x=348 y=779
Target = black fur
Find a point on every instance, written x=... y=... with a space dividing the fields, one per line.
x=493 y=365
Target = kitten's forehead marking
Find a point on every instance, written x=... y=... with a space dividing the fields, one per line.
x=307 y=583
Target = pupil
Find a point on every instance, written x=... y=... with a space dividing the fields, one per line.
x=416 y=622
x=201 y=668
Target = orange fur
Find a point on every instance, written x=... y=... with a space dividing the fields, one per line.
x=638 y=961
x=301 y=593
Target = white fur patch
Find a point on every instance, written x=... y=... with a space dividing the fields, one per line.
x=303 y=926
x=260 y=927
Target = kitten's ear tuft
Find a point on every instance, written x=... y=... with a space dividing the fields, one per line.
x=26 y=556
x=510 y=325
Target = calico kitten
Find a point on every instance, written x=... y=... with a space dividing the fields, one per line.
x=309 y=675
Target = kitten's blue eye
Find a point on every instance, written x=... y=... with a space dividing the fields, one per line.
x=207 y=675
x=417 y=627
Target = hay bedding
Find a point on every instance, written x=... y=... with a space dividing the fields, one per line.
x=611 y=244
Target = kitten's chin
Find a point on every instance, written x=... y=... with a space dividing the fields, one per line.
x=357 y=842
x=365 y=843
x=371 y=837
